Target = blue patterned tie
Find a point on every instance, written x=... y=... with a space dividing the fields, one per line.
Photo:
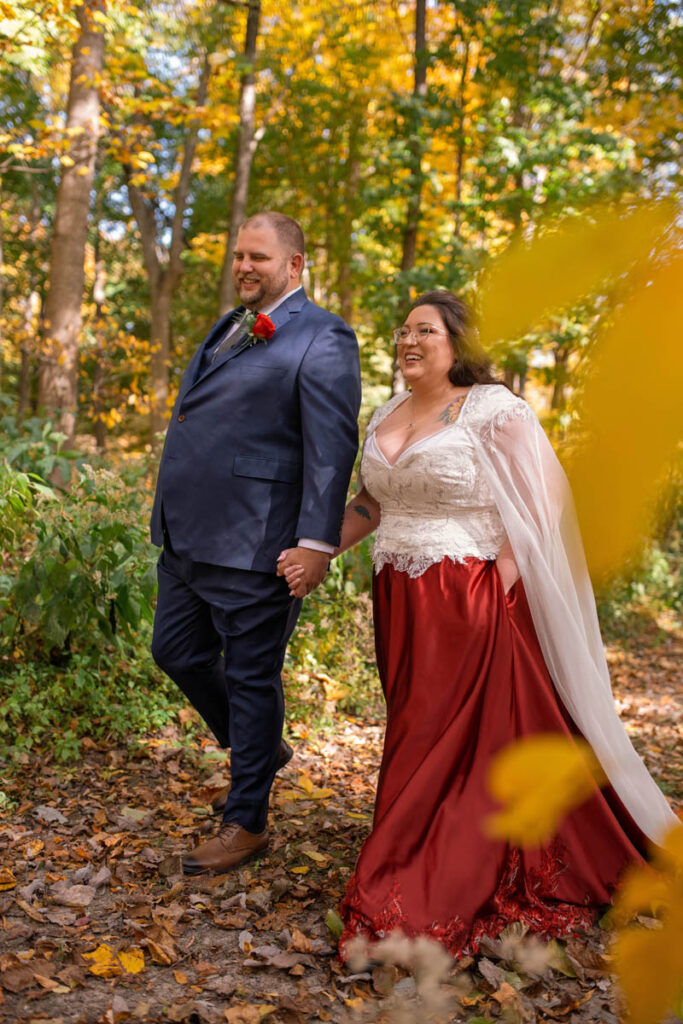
x=232 y=338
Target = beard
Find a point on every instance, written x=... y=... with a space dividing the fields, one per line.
x=267 y=291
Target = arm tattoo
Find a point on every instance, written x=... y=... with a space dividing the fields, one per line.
x=362 y=511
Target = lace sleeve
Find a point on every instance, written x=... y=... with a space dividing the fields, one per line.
x=535 y=504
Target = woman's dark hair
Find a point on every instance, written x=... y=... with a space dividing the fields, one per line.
x=471 y=364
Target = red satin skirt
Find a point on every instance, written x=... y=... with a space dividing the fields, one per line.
x=463 y=675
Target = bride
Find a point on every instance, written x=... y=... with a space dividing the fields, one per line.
x=486 y=632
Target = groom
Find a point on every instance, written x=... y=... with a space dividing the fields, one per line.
x=257 y=458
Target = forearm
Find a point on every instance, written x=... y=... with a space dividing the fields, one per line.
x=505 y=554
x=361 y=518
x=507 y=566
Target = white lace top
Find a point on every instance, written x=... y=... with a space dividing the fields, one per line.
x=435 y=500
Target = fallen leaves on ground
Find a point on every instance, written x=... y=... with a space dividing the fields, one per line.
x=108 y=963
x=99 y=926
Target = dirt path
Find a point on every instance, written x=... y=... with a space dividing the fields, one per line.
x=97 y=923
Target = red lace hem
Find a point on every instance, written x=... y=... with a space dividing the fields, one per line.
x=521 y=896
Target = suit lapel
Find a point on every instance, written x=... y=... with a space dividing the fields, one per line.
x=212 y=339
x=280 y=318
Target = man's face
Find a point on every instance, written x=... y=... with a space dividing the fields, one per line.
x=262 y=271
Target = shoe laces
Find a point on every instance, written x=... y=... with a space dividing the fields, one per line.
x=227 y=831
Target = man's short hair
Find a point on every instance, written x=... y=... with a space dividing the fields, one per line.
x=286 y=228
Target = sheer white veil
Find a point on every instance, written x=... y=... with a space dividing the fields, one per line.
x=534 y=501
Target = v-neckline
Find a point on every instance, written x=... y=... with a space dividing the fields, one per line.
x=427 y=437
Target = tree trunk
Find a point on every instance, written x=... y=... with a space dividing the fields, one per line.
x=558 y=401
x=32 y=315
x=517 y=204
x=2 y=295
x=409 y=251
x=162 y=299
x=460 y=145
x=98 y=380
x=345 y=240
x=415 y=142
x=164 y=268
x=58 y=372
x=29 y=329
x=246 y=147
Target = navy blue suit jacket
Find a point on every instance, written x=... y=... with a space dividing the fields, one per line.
x=261 y=445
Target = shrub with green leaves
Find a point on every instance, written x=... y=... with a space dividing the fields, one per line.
x=88 y=577
x=44 y=707
x=34 y=445
x=77 y=590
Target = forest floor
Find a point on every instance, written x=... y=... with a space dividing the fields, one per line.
x=97 y=923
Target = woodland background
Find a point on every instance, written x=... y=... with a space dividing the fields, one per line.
x=418 y=143
x=414 y=142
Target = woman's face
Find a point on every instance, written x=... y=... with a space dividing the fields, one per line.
x=425 y=353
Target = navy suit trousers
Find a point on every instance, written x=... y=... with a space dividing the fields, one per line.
x=221 y=635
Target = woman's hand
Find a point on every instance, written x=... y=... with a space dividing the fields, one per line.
x=296 y=582
x=302 y=579
x=295 y=577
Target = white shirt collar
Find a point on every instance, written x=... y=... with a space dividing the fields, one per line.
x=271 y=309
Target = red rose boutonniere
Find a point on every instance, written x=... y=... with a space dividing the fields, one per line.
x=263 y=328
x=259 y=327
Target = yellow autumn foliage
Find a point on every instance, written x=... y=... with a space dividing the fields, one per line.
x=631 y=414
x=7 y=879
x=633 y=417
x=108 y=963
x=649 y=961
x=539 y=780
x=564 y=263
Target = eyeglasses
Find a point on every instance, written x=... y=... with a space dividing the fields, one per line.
x=421 y=332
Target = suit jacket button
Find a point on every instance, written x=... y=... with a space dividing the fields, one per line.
x=181 y=417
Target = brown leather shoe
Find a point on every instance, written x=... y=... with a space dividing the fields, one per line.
x=221 y=798
x=232 y=846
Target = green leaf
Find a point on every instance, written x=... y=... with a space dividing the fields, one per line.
x=334 y=923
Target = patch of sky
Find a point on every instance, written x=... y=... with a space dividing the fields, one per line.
x=171 y=67
x=112 y=230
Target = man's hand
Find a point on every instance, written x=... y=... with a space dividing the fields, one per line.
x=304 y=569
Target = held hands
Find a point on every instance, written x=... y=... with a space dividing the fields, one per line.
x=303 y=568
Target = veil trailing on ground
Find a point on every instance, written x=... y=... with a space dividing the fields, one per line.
x=535 y=503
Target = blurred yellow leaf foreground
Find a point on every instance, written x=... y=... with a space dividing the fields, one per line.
x=649 y=961
x=632 y=413
x=538 y=780
x=633 y=416
x=564 y=263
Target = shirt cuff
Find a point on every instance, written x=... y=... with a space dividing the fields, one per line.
x=315 y=545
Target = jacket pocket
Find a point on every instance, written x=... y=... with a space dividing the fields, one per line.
x=266 y=469
x=250 y=369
